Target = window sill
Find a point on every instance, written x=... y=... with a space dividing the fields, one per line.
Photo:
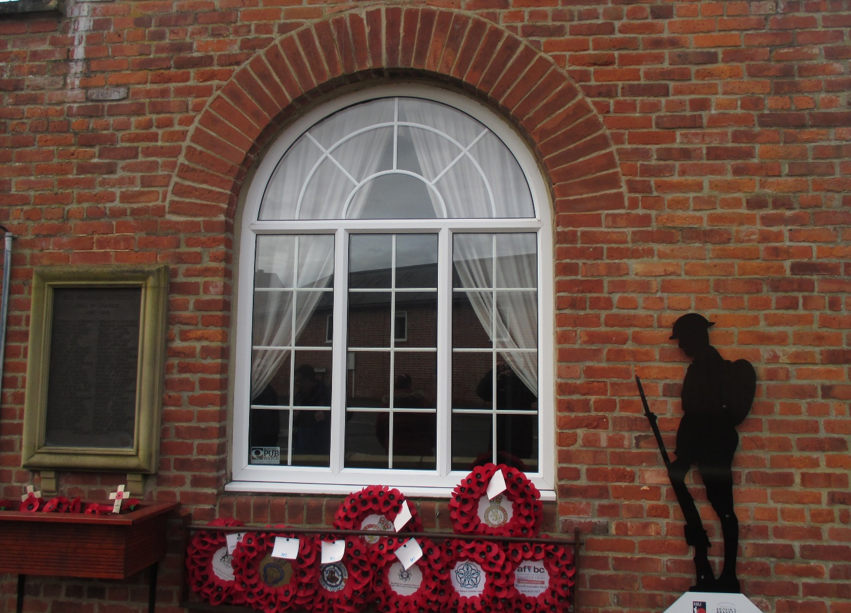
x=266 y=487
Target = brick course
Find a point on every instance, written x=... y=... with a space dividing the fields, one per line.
x=697 y=154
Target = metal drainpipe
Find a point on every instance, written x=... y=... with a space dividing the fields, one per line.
x=4 y=305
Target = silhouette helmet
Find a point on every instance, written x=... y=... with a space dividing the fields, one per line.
x=689 y=324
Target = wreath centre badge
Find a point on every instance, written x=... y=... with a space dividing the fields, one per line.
x=333 y=576
x=222 y=564
x=378 y=523
x=275 y=572
x=495 y=513
x=404 y=582
x=531 y=578
x=468 y=578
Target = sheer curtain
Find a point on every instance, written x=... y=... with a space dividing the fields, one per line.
x=492 y=187
x=348 y=147
x=499 y=273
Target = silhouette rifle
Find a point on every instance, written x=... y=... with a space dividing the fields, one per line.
x=651 y=417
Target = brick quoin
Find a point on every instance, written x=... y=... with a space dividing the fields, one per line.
x=697 y=156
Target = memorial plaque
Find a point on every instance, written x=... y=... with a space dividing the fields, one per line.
x=94 y=364
x=96 y=367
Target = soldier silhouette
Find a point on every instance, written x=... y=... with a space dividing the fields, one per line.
x=716 y=397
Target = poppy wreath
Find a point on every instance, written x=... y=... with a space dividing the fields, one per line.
x=269 y=584
x=542 y=578
x=344 y=586
x=426 y=581
x=209 y=566
x=470 y=496
x=375 y=507
x=478 y=577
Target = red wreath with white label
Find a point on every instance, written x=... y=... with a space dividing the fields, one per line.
x=275 y=584
x=478 y=577
x=344 y=586
x=375 y=507
x=516 y=512
x=210 y=572
x=424 y=586
x=542 y=577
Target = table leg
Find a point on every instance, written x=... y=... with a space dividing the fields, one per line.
x=22 y=580
x=152 y=587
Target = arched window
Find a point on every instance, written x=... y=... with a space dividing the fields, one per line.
x=394 y=300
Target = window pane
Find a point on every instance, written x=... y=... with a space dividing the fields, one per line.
x=369 y=319
x=366 y=440
x=467 y=329
x=421 y=309
x=472 y=380
x=351 y=154
x=415 y=383
x=393 y=196
x=282 y=192
x=471 y=440
x=414 y=440
x=516 y=260
x=370 y=261
x=368 y=379
x=517 y=319
x=472 y=255
x=441 y=152
x=416 y=261
x=517 y=439
x=465 y=191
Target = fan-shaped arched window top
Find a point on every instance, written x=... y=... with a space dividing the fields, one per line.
x=395 y=299
x=397 y=158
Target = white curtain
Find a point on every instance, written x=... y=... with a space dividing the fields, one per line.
x=291 y=273
x=495 y=269
x=313 y=181
x=485 y=261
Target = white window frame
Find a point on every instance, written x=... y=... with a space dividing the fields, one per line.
x=246 y=477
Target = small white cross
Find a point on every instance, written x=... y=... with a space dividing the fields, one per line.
x=117 y=496
x=31 y=492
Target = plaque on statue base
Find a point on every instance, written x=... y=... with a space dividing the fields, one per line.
x=712 y=602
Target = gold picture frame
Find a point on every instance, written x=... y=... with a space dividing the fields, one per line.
x=96 y=368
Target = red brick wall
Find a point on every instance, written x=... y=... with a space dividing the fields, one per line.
x=698 y=155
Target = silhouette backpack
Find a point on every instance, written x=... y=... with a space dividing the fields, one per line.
x=739 y=389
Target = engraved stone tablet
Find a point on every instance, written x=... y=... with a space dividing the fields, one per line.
x=93 y=371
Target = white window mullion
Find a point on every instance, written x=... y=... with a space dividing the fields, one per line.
x=339 y=347
x=443 y=448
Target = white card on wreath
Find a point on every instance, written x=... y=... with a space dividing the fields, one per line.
x=333 y=552
x=409 y=553
x=232 y=539
x=286 y=548
x=403 y=517
x=496 y=485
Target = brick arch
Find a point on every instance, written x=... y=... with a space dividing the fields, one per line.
x=527 y=86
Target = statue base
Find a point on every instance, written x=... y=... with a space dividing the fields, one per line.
x=712 y=602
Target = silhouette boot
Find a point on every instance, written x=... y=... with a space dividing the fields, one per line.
x=697 y=538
